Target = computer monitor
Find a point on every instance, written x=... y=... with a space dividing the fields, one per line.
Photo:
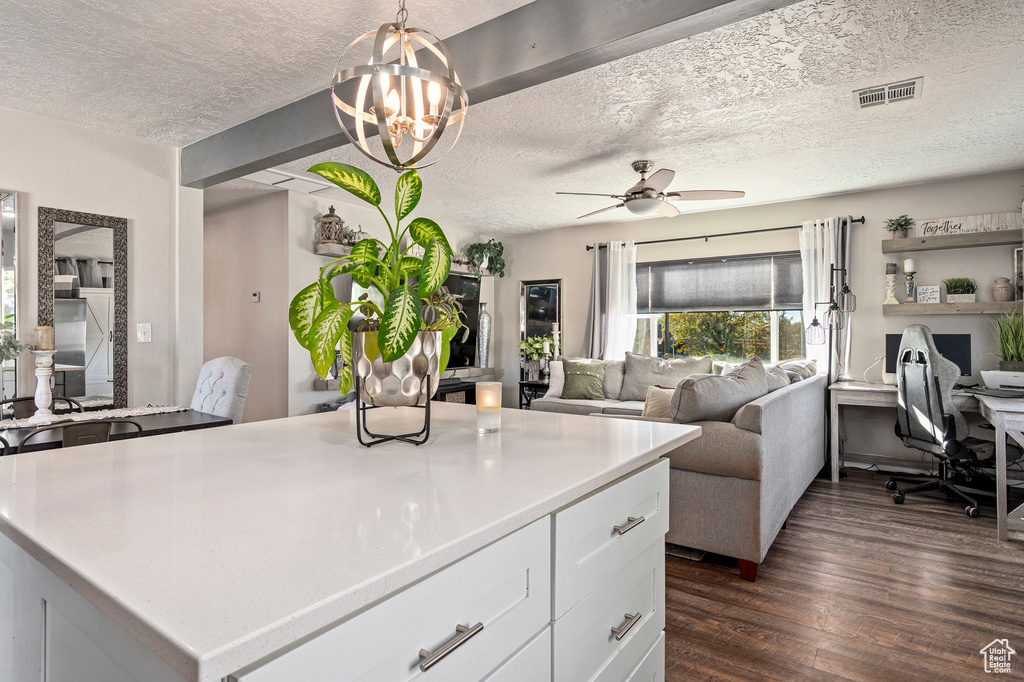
x=953 y=347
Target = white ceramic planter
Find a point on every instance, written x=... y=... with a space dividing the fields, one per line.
x=961 y=298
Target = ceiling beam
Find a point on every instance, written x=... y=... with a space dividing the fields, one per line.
x=534 y=44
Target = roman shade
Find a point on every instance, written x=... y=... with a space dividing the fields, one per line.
x=768 y=281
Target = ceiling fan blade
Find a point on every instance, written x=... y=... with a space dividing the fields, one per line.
x=588 y=194
x=706 y=194
x=659 y=180
x=667 y=210
x=601 y=211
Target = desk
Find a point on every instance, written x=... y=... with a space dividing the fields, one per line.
x=873 y=395
x=152 y=425
x=1007 y=416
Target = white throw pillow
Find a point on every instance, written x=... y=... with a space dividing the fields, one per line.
x=659 y=402
x=556 y=381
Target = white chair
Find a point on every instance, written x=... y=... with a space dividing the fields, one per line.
x=221 y=388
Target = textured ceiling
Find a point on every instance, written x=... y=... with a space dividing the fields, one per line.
x=763 y=105
x=176 y=71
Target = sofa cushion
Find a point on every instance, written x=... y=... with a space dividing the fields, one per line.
x=777 y=378
x=710 y=397
x=643 y=372
x=556 y=380
x=564 y=406
x=583 y=380
x=804 y=368
x=659 y=402
x=630 y=408
x=722 y=450
x=614 y=374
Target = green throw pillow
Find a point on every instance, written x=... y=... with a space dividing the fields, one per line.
x=583 y=380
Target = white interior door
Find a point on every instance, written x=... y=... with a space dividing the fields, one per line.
x=99 y=342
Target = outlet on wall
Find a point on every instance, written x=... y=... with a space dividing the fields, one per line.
x=255 y=297
x=144 y=332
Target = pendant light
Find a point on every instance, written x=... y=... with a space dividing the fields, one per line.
x=815 y=333
x=408 y=105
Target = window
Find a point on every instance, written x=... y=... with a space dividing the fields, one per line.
x=730 y=308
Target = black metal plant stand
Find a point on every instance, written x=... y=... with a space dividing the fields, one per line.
x=418 y=438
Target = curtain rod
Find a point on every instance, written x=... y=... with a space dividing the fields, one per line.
x=590 y=247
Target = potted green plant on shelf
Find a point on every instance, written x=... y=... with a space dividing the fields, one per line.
x=487 y=256
x=1010 y=335
x=532 y=350
x=961 y=289
x=898 y=226
x=397 y=345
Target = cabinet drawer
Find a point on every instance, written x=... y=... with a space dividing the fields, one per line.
x=652 y=667
x=532 y=662
x=586 y=648
x=506 y=587
x=589 y=549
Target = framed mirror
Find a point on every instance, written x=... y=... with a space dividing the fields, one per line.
x=83 y=295
x=9 y=286
x=540 y=307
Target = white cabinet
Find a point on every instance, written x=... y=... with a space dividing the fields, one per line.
x=499 y=598
x=99 y=341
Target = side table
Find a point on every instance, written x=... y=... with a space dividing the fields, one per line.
x=528 y=390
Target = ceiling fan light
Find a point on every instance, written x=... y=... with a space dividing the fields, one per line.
x=644 y=206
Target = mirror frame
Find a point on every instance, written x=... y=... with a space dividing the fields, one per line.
x=47 y=218
x=524 y=286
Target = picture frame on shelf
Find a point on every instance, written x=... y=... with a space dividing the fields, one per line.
x=929 y=294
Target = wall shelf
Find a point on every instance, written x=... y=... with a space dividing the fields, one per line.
x=977 y=308
x=953 y=241
x=334 y=250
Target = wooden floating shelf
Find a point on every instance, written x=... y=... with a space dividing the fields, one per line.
x=954 y=241
x=977 y=308
x=335 y=250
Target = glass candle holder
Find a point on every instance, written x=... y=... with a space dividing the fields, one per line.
x=488 y=406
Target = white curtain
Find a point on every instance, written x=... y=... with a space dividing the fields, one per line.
x=824 y=243
x=620 y=329
x=611 y=317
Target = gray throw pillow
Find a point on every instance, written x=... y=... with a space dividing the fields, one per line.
x=556 y=379
x=583 y=380
x=643 y=371
x=777 y=378
x=804 y=368
x=710 y=397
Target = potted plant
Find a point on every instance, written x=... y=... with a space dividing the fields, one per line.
x=533 y=351
x=487 y=256
x=396 y=346
x=1010 y=335
x=961 y=289
x=898 y=226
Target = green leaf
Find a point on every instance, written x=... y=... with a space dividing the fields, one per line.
x=365 y=251
x=434 y=271
x=345 y=381
x=422 y=230
x=409 y=267
x=350 y=179
x=401 y=323
x=303 y=310
x=328 y=329
x=447 y=334
x=407 y=193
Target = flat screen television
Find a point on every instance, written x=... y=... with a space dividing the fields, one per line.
x=953 y=347
x=463 y=346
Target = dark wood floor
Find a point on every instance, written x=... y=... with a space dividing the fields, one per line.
x=855 y=588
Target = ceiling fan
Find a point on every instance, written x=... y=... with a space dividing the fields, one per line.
x=648 y=197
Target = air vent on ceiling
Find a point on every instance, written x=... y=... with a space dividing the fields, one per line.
x=888 y=93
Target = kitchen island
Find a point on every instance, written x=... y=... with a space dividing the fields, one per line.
x=283 y=550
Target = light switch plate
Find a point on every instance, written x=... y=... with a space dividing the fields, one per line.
x=144 y=332
x=255 y=297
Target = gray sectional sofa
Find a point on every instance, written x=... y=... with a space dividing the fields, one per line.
x=733 y=488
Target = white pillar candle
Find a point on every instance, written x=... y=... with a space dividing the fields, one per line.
x=554 y=326
x=44 y=338
x=488 y=406
x=909 y=265
x=547 y=348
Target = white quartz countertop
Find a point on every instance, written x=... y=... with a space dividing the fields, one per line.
x=216 y=548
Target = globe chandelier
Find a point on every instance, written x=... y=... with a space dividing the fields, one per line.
x=410 y=107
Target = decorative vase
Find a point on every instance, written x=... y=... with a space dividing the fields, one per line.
x=483 y=337
x=1002 y=290
x=533 y=370
x=402 y=383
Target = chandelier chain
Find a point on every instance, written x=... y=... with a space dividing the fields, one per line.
x=403 y=14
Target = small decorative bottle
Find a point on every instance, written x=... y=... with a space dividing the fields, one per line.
x=483 y=336
x=1002 y=290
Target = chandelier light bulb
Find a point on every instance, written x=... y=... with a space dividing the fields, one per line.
x=394 y=105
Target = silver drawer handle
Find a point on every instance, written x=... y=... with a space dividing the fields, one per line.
x=465 y=634
x=634 y=521
x=630 y=622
